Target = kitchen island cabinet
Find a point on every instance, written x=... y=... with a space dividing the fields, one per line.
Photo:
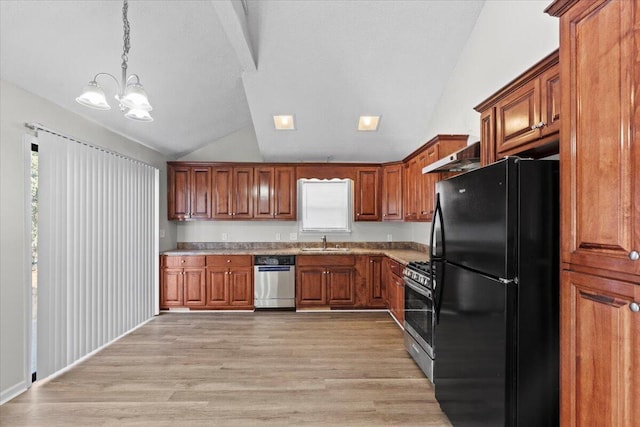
x=182 y=281
x=600 y=212
x=325 y=280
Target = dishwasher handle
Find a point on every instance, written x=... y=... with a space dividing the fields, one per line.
x=272 y=268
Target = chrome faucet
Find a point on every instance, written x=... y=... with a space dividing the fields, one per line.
x=324 y=242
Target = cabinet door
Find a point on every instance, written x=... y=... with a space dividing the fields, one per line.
x=284 y=194
x=550 y=101
x=222 y=190
x=487 y=137
x=264 y=193
x=171 y=291
x=600 y=344
x=375 y=283
x=392 y=193
x=600 y=148
x=241 y=287
x=194 y=286
x=428 y=184
x=200 y=190
x=217 y=287
x=243 y=193
x=516 y=117
x=410 y=201
x=178 y=202
x=367 y=198
x=310 y=286
x=341 y=285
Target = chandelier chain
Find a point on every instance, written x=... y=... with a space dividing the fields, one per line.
x=125 y=22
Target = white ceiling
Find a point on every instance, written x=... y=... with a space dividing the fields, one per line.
x=325 y=61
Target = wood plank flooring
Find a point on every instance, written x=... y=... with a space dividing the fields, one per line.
x=241 y=369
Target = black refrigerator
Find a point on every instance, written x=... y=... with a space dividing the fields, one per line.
x=495 y=264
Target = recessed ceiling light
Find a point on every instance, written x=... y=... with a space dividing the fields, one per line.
x=284 y=122
x=368 y=123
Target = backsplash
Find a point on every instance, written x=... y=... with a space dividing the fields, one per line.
x=288 y=245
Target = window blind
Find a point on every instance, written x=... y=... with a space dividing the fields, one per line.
x=98 y=246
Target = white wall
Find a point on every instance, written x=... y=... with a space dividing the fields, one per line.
x=240 y=146
x=17 y=107
x=508 y=38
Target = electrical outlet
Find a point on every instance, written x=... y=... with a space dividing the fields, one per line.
x=277 y=237
x=293 y=236
x=389 y=238
x=225 y=237
x=161 y=232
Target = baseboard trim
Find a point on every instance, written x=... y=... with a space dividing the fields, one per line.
x=13 y=392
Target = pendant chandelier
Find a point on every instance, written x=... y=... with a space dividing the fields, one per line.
x=131 y=96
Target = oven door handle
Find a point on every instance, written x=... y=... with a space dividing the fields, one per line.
x=424 y=292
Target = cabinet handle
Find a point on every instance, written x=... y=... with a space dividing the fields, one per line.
x=603 y=299
x=634 y=255
x=634 y=306
x=228 y=260
x=182 y=261
x=538 y=125
x=358 y=214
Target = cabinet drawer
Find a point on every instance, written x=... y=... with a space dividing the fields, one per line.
x=183 y=261
x=325 y=260
x=229 y=260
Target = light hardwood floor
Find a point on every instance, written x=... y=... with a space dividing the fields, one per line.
x=241 y=369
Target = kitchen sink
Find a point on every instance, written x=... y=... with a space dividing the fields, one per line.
x=326 y=249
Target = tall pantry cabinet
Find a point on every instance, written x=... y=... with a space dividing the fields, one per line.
x=600 y=211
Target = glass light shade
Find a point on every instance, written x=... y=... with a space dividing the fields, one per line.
x=93 y=97
x=138 y=115
x=135 y=98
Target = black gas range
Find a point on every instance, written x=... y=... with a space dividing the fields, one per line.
x=419 y=315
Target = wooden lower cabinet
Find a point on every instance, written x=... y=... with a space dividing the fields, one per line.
x=182 y=281
x=395 y=289
x=325 y=280
x=229 y=282
x=600 y=344
x=376 y=283
x=212 y=282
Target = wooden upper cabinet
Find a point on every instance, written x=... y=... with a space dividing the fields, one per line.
x=524 y=116
x=275 y=193
x=392 y=192
x=189 y=192
x=517 y=117
x=600 y=149
x=200 y=192
x=367 y=194
x=428 y=183
x=242 y=193
x=232 y=192
x=411 y=190
x=420 y=189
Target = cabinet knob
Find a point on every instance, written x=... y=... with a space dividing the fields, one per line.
x=635 y=307
x=538 y=125
x=634 y=255
x=228 y=260
x=182 y=261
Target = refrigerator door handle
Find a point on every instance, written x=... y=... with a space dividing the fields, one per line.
x=433 y=243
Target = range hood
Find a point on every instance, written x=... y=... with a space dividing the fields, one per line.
x=465 y=159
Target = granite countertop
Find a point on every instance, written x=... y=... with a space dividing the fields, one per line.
x=401 y=254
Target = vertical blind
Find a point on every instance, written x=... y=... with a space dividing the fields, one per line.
x=98 y=248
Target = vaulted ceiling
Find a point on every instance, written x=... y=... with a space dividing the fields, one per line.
x=214 y=67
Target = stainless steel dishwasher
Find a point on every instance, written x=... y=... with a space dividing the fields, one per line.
x=274 y=281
